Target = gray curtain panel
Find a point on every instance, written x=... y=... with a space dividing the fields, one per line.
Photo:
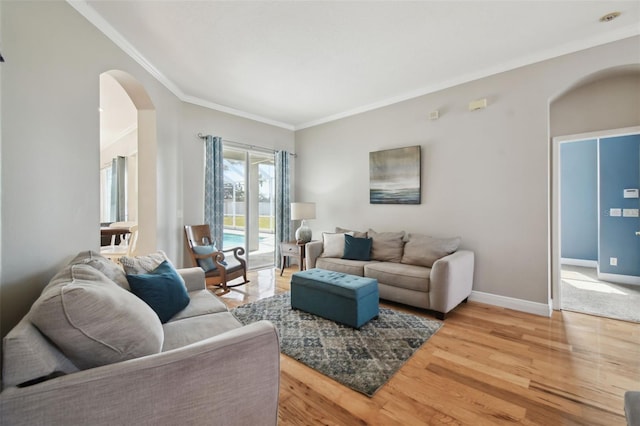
x=214 y=189
x=283 y=202
x=118 y=209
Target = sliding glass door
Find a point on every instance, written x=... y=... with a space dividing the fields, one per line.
x=249 y=204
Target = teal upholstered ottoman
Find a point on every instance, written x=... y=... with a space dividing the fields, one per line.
x=343 y=298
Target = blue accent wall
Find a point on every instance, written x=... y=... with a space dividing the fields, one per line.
x=619 y=169
x=579 y=199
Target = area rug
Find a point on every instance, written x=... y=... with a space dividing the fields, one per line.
x=363 y=360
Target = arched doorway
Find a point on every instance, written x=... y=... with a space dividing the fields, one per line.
x=600 y=105
x=136 y=138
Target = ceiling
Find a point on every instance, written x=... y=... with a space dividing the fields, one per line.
x=295 y=64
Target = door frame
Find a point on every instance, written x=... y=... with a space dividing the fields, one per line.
x=556 y=232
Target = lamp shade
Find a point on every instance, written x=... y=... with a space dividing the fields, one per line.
x=301 y=211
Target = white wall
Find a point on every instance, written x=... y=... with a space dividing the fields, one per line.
x=485 y=174
x=50 y=150
x=612 y=101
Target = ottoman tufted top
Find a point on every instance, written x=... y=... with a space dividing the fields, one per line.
x=345 y=285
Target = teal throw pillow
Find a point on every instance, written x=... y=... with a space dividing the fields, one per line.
x=207 y=264
x=163 y=289
x=357 y=248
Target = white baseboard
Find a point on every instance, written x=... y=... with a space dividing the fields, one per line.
x=579 y=262
x=511 y=303
x=619 y=279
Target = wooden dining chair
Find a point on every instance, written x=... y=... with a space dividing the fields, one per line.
x=126 y=248
x=218 y=268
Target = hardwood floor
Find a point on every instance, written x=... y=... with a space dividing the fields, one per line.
x=486 y=365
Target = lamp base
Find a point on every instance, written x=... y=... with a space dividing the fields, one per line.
x=303 y=234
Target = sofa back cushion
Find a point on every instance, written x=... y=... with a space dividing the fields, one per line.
x=423 y=250
x=93 y=321
x=386 y=246
x=356 y=234
x=104 y=265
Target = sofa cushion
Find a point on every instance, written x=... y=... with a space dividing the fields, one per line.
x=386 y=246
x=192 y=330
x=94 y=321
x=352 y=267
x=162 y=289
x=202 y=302
x=399 y=275
x=423 y=250
x=332 y=244
x=356 y=234
x=104 y=265
x=357 y=248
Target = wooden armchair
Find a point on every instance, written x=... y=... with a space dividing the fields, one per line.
x=218 y=271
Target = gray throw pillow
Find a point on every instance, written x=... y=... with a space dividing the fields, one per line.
x=93 y=321
x=104 y=265
x=423 y=250
x=143 y=264
x=386 y=246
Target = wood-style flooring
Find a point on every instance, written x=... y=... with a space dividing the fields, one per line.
x=486 y=365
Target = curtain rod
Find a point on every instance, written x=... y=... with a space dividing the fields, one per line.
x=201 y=136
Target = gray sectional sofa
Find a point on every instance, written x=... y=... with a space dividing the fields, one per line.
x=412 y=269
x=91 y=352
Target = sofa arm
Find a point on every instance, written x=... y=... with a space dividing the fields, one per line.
x=193 y=278
x=202 y=383
x=451 y=280
x=313 y=250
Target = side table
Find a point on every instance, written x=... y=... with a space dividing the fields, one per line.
x=292 y=249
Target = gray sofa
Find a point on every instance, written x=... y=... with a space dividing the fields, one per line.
x=115 y=363
x=412 y=269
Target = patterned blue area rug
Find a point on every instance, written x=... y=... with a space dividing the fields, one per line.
x=361 y=359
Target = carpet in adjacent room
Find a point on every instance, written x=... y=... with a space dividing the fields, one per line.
x=583 y=292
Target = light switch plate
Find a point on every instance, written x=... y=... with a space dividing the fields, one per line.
x=630 y=212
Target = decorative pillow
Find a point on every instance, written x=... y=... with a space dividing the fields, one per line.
x=95 y=322
x=333 y=244
x=357 y=248
x=423 y=250
x=386 y=246
x=104 y=265
x=163 y=289
x=143 y=264
x=356 y=234
x=207 y=264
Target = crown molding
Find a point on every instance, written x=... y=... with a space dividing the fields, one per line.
x=94 y=18
x=211 y=105
x=101 y=24
x=557 y=51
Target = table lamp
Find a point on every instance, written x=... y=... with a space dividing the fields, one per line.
x=303 y=211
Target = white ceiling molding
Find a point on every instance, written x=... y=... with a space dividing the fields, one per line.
x=94 y=18
x=500 y=64
x=622 y=33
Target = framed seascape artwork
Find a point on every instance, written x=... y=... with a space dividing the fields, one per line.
x=394 y=176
